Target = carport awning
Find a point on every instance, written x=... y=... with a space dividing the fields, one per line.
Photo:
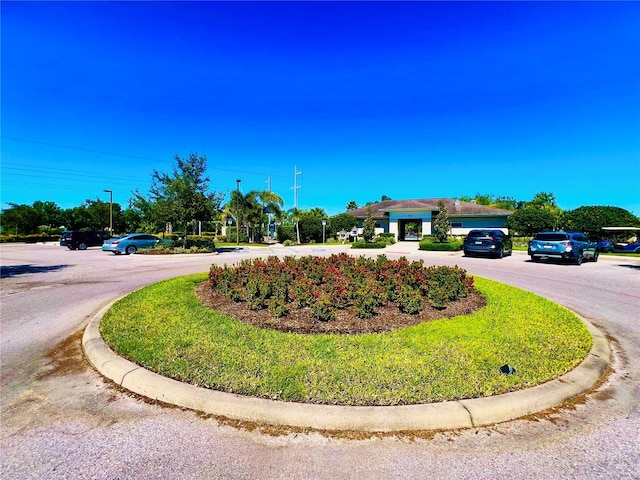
x=621 y=229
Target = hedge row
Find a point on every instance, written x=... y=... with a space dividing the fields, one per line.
x=441 y=247
x=337 y=282
x=368 y=245
x=35 y=238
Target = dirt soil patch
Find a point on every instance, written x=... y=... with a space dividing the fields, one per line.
x=386 y=319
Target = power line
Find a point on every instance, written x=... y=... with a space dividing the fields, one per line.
x=124 y=155
x=61 y=171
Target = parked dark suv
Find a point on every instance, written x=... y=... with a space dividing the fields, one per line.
x=492 y=242
x=80 y=240
x=571 y=246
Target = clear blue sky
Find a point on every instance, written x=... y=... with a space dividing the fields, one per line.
x=408 y=100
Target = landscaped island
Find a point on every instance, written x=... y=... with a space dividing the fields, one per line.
x=339 y=294
x=168 y=329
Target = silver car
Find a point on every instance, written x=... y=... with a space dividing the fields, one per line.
x=131 y=243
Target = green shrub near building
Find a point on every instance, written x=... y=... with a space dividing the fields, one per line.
x=368 y=245
x=453 y=246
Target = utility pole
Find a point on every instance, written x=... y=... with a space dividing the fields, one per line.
x=268 y=214
x=238 y=213
x=295 y=186
x=110 y=192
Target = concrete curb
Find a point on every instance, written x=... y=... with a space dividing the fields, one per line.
x=436 y=416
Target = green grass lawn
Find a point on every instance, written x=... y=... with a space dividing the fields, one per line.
x=165 y=328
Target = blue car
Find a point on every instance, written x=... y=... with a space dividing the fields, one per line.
x=605 y=246
x=131 y=243
x=627 y=247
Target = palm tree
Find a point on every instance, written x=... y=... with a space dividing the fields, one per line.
x=250 y=208
x=241 y=205
x=294 y=214
x=271 y=203
x=318 y=212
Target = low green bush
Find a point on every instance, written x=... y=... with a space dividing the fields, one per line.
x=286 y=232
x=368 y=244
x=242 y=235
x=388 y=238
x=522 y=242
x=341 y=281
x=33 y=238
x=441 y=247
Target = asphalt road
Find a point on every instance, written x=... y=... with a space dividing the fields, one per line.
x=59 y=419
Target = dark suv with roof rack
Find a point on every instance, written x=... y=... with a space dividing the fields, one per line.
x=80 y=240
x=491 y=242
x=570 y=246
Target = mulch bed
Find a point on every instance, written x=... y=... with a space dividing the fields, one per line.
x=346 y=322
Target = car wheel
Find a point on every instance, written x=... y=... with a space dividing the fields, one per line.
x=500 y=253
x=467 y=253
x=82 y=246
x=596 y=254
x=130 y=249
x=578 y=259
x=534 y=259
x=69 y=247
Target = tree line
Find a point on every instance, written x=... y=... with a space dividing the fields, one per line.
x=181 y=201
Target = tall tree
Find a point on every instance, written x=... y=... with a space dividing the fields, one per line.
x=28 y=219
x=20 y=218
x=530 y=220
x=352 y=205
x=272 y=202
x=342 y=221
x=441 y=225
x=295 y=214
x=591 y=219
x=543 y=200
x=251 y=210
x=369 y=227
x=183 y=196
x=547 y=202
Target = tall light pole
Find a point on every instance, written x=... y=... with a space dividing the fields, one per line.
x=295 y=186
x=110 y=192
x=238 y=212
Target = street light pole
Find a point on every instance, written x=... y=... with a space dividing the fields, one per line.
x=110 y=192
x=238 y=212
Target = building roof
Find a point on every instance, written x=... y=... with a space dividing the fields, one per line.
x=454 y=207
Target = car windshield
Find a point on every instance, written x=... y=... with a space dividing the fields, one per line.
x=552 y=237
x=479 y=233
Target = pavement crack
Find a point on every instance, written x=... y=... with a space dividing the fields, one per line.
x=125 y=375
x=473 y=424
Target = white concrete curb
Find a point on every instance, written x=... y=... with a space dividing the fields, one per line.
x=436 y=416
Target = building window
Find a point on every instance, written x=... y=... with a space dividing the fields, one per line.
x=456 y=224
